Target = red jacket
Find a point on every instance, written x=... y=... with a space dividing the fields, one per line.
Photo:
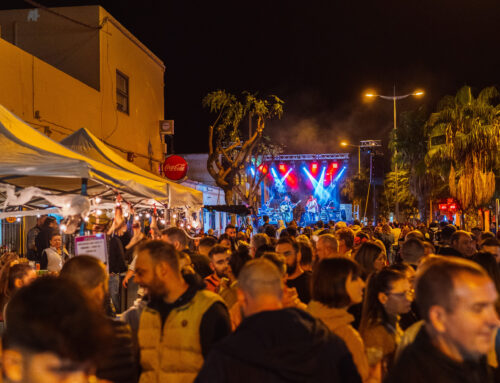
x=212 y=282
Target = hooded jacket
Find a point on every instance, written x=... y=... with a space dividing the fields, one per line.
x=287 y=345
x=339 y=322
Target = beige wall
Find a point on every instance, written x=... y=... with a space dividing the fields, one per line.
x=65 y=104
x=68 y=46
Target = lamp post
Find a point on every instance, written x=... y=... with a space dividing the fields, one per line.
x=395 y=98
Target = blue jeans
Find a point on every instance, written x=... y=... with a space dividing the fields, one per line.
x=114 y=290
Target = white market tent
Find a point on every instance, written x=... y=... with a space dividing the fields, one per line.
x=29 y=158
x=84 y=142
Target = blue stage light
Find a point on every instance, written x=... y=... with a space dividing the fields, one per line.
x=311 y=178
x=337 y=178
x=275 y=175
x=286 y=175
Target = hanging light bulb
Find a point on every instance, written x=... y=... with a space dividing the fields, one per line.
x=125 y=214
x=148 y=215
x=86 y=219
x=163 y=222
x=38 y=215
x=175 y=215
x=97 y=200
x=99 y=212
x=63 y=227
x=18 y=219
x=136 y=218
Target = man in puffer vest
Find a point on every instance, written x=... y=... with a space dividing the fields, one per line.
x=181 y=322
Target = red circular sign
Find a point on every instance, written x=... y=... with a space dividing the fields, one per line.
x=175 y=168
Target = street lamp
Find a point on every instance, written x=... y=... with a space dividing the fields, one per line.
x=395 y=98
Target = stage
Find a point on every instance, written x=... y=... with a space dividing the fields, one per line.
x=304 y=188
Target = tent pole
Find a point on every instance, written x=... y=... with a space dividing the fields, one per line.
x=83 y=192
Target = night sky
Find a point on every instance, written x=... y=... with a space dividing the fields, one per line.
x=318 y=56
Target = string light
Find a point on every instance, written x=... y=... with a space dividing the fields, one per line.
x=63 y=227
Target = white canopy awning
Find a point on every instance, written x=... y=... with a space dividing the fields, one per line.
x=29 y=158
x=84 y=142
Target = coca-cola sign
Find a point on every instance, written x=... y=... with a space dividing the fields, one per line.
x=175 y=168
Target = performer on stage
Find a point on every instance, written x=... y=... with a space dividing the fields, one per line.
x=286 y=209
x=312 y=209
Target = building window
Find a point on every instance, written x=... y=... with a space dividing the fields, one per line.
x=122 y=92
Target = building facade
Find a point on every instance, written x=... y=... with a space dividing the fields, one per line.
x=79 y=67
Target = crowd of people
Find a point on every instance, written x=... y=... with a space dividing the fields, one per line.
x=330 y=302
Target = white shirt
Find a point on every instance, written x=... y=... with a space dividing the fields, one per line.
x=54 y=260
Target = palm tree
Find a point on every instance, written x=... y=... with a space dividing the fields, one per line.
x=411 y=143
x=468 y=156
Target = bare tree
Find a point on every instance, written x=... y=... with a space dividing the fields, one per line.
x=234 y=159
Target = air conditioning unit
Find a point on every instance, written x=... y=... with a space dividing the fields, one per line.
x=167 y=127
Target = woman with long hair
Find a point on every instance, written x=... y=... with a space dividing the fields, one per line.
x=388 y=295
x=13 y=276
x=371 y=258
x=337 y=285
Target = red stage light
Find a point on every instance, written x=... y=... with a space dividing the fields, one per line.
x=314 y=166
x=263 y=169
x=335 y=165
x=282 y=168
x=453 y=207
x=443 y=206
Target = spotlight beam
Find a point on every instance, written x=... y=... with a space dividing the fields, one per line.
x=311 y=178
x=286 y=175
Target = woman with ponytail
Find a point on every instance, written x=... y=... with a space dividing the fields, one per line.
x=388 y=295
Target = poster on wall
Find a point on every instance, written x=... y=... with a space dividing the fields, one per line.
x=93 y=245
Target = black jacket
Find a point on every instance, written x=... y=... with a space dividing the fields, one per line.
x=422 y=362
x=120 y=363
x=116 y=255
x=285 y=345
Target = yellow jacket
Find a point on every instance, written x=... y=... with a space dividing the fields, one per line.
x=174 y=354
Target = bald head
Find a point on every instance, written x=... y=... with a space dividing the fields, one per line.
x=261 y=277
